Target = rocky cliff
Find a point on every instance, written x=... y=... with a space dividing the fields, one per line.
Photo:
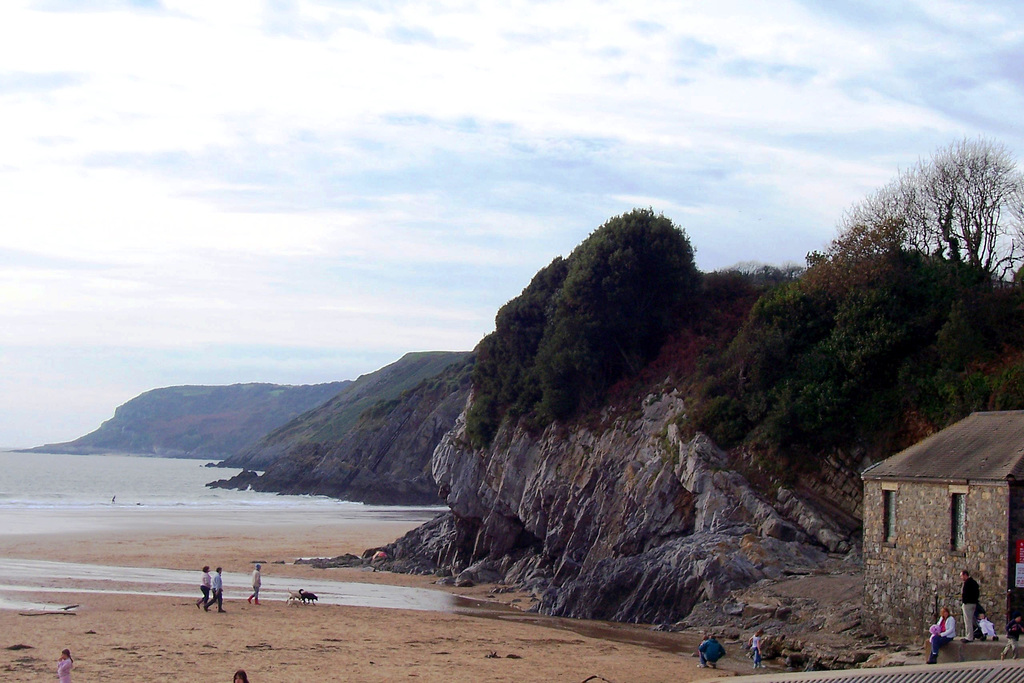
x=585 y=466
x=625 y=520
x=199 y=421
x=385 y=458
x=320 y=429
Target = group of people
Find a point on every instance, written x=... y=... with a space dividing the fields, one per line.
x=976 y=626
x=710 y=650
x=976 y=623
x=212 y=588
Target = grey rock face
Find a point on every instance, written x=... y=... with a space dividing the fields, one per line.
x=420 y=551
x=628 y=522
x=665 y=583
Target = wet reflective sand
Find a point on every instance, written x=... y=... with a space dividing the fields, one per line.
x=41 y=576
x=167 y=545
x=148 y=519
x=55 y=579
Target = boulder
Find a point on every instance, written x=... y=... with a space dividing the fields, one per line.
x=758 y=611
x=481 y=572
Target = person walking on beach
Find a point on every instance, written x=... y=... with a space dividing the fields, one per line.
x=969 y=598
x=204 y=586
x=64 y=666
x=256 y=581
x=240 y=677
x=218 y=592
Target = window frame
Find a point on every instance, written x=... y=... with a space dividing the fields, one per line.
x=889 y=516
x=958 y=522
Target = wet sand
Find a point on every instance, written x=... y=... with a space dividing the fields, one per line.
x=161 y=635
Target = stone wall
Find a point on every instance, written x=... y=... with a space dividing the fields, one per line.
x=907 y=580
x=839 y=483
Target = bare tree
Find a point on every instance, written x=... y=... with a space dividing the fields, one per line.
x=966 y=203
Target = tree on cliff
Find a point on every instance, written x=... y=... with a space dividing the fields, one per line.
x=894 y=329
x=965 y=204
x=503 y=378
x=583 y=323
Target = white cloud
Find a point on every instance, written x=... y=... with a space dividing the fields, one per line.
x=347 y=178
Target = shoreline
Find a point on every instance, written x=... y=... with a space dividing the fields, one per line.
x=106 y=518
x=117 y=636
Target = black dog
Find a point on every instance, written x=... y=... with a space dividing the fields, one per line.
x=307 y=597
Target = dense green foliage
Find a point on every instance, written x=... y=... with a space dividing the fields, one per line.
x=899 y=328
x=873 y=335
x=583 y=323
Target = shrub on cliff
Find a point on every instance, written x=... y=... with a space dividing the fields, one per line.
x=873 y=332
x=583 y=323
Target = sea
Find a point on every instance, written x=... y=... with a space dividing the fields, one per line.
x=35 y=480
x=50 y=492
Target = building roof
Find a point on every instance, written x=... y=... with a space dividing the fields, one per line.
x=968 y=672
x=982 y=446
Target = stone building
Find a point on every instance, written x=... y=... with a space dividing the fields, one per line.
x=954 y=501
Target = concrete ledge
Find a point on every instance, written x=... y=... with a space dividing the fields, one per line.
x=975 y=651
x=960 y=672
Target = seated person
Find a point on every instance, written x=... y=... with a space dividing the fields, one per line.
x=985 y=628
x=943 y=631
x=710 y=651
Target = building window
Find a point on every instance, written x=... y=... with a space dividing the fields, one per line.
x=889 y=512
x=958 y=517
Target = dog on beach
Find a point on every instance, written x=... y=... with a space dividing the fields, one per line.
x=303 y=596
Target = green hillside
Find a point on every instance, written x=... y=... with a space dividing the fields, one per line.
x=199 y=421
x=332 y=421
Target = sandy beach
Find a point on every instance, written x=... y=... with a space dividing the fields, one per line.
x=115 y=636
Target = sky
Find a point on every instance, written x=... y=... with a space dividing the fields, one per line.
x=196 y=192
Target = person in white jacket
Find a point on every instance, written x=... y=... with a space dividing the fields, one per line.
x=256 y=581
x=942 y=632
